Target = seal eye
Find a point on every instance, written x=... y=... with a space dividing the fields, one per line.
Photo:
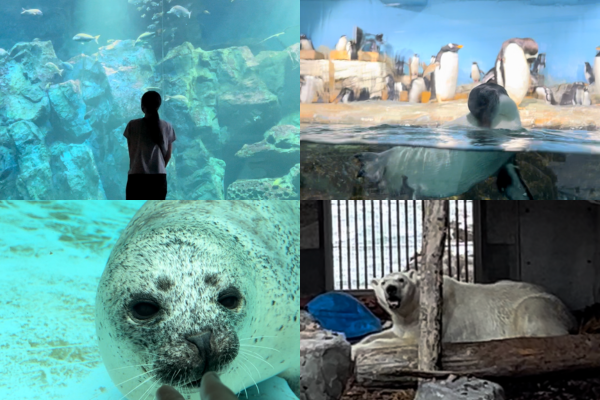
x=144 y=310
x=230 y=302
x=230 y=298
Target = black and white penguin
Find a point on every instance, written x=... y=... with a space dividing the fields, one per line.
x=417 y=87
x=550 y=96
x=413 y=66
x=346 y=95
x=597 y=62
x=512 y=67
x=587 y=101
x=399 y=64
x=351 y=50
x=491 y=107
x=539 y=64
x=445 y=75
x=589 y=73
x=390 y=86
x=341 y=44
x=305 y=43
x=476 y=72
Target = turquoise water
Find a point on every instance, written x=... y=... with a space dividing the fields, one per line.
x=553 y=164
x=72 y=73
x=52 y=255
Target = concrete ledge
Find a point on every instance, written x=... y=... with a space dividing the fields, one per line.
x=535 y=114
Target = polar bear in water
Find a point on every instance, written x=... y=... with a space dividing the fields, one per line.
x=471 y=312
x=438 y=173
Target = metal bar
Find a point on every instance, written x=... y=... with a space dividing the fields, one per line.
x=458 y=274
x=466 y=240
x=415 y=233
x=406 y=231
x=340 y=242
x=373 y=236
x=328 y=245
x=449 y=246
x=364 y=211
x=356 y=242
x=381 y=237
x=348 y=266
x=398 y=234
x=390 y=231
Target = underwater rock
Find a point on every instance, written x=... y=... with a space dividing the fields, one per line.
x=199 y=175
x=128 y=69
x=9 y=166
x=34 y=181
x=275 y=154
x=284 y=188
x=112 y=160
x=279 y=70
x=75 y=174
x=95 y=89
x=69 y=112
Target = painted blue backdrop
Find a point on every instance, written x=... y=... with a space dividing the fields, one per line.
x=568 y=31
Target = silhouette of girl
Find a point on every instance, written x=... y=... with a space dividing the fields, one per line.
x=150 y=142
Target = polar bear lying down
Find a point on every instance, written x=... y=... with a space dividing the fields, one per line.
x=471 y=312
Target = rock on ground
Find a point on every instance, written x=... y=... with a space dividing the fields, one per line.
x=460 y=389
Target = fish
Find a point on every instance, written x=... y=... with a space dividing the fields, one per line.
x=145 y=36
x=155 y=4
x=157 y=16
x=33 y=11
x=180 y=12
x=109 y=41
x=67 y=65
x=152 y=27
x=143 y=15
x=84 y=37
x=206 y=12
x=140 y=8
x=55 y=68
x=178 y=98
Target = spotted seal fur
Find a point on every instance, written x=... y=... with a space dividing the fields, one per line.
x=197 y=286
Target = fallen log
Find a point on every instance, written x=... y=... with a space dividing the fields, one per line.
x=396 y=367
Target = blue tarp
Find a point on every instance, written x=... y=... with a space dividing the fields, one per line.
x=341 y=312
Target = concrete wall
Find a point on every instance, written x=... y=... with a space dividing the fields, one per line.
x=550 y=243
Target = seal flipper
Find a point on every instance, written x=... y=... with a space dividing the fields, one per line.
x=511 y=184
x=372 y=166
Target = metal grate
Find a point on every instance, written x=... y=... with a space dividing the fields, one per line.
x=372 y=238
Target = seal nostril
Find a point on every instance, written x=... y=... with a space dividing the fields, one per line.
x=202 y=342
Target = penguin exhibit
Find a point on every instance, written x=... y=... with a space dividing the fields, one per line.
x=73 y=72
x=462 y=99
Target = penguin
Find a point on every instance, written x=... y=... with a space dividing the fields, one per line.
x=431 y=60
x=476 y=73
x=512 y=67
x=572 y=94
x=351 y=50
x=341 y=44
x=539 y=64
x=540 y=92
x=391 y=87
x=305 y=43
x=417 y=87
x=550 y=97
x=413 y=66
x=597 y=63
x=399 y=64
x=445 y=75
x=589 y=73
x=346 y=95
x=587 y=101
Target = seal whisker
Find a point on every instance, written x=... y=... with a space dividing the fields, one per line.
x=256 y=337
x=137 y=376
x=261 y=359
x=248 y=371
x=129 y=366
x=247 y=359
x=125 y=396
x=148 y=391
x=262 y=347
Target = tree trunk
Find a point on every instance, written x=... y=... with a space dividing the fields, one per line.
x=435 y=227
x=397 y=366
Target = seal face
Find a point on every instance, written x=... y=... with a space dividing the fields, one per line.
x=199 y=286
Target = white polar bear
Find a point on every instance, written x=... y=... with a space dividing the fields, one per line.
x=471 y=312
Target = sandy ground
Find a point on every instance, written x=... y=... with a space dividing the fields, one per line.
x=535 y=114
x=52 y=255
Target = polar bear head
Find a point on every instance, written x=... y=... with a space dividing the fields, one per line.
x=398 y=292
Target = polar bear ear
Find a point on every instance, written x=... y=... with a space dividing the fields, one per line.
x=412 y=274
x=374 y=282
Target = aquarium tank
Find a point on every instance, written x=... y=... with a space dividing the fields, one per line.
x=72 y=74
x=452 y=99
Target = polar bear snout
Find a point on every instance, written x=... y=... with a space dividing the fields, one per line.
x=391 y=290
x=392 y=297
